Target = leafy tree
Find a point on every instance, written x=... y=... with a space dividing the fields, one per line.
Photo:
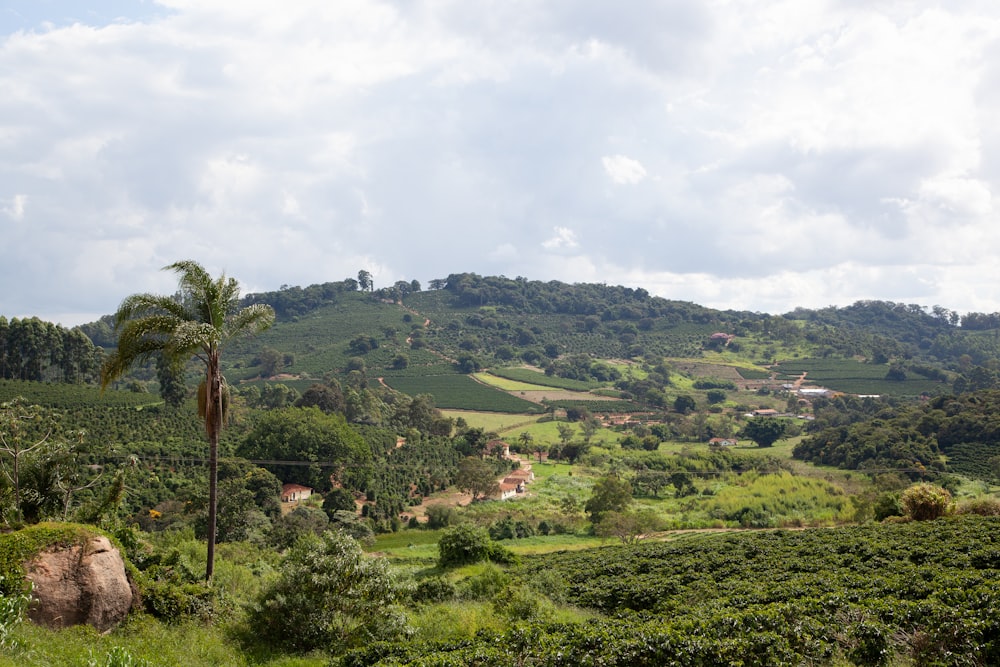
x=329 y=595
x=565 y=433
x=477 y=477
x=270 y=361
x=466 y=543
x=684 y=404
x=170 y=374
x=441 y=516
x=610 y=494
x=303 y=520
x=328 y=398
x=652 y=481
x=628 y=526
x=765 y=431
x=306 y=435
x=198 y=322
x=338 y=500
x=524 y=439
x=39 y=463
x=715 y=396
x=365 y=281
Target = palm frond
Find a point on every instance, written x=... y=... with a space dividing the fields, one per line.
x=255 y=317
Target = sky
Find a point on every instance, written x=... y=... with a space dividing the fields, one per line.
x=757 y=155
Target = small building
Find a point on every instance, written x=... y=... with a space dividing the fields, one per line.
x=293 y=493
x=507 y=490
x=723 y=442
x=766 y=412
x=521 y=474
x=497 y=448
x=516 y=481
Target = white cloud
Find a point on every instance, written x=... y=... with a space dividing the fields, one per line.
x=564 y=238
x=780 y=154
x=623 y=170
x=14 y=208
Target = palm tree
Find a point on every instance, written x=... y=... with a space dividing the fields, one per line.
x=198 y=322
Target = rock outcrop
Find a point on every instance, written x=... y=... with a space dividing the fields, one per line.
x=80 y=583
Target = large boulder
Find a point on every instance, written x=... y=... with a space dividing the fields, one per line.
x=79 y=583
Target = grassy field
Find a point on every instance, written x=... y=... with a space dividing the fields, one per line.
x=500 y=422
x=507 y=384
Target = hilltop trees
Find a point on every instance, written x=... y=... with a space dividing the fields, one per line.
x=199 y=321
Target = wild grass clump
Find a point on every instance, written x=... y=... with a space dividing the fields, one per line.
x=985 y=506
x=770 y=501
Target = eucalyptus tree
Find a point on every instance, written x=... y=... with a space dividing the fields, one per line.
x=197 y=322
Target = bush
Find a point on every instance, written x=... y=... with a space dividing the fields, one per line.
x=486 y=585
x=924 y=502
x=328 y=594
x=434 y=589
x=469 y=544
x=980 y=506
x=441 y=516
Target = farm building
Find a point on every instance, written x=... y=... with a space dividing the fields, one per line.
x=293 y=493
x=507 y=491
x=497 y=448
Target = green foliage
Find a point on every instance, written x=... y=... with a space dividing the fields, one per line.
x=329 y=595
x=477 y=477
x=118 y=657
x=854 y=377
x=465 y=543
x=610 y=494
x=441 y=516
x=924 y=502
x=307 y=435
x=13 y=608
x=765 y=431
x=538 y=378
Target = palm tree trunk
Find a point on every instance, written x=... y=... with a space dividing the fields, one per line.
x=214 y=423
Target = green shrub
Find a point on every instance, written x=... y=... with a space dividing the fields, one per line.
x=435 y=589
x=470 y=544
x=486 y=585
x=330 y=595
x=924 y=502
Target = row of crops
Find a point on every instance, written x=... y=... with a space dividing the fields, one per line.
x=462 y=392
x=854 y=377
x=923 y=593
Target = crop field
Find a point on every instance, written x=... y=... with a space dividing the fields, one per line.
x=66 y=396
x=529 y=376
x=461 y=392
x=854 y=377
x=493 y=421
x=595 y=404
x=506 y=384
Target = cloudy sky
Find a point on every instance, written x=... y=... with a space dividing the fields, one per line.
x=750 y=154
